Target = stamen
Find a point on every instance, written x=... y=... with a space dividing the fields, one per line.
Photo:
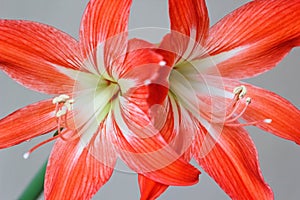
x=234 y=111
x=248 y=100
x=235 y=103
x=240 y=91
x=60 y=99
x=63 y=105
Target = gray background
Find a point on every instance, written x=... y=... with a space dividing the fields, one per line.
x=280 y=159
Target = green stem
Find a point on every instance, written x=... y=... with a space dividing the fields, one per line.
x=36 y=185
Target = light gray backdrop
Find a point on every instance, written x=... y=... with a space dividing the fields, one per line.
x=280 y=159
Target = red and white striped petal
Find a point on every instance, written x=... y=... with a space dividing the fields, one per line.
x=27 y=123
x=268 y=105
x=73 y=172
x=258 y=35
x=189 y=18
x=189 y=24
x=139 y=54
x=104 y=21
x=178 y=131
x=144 y=150
x=233 y=164
x=31 y=52
x=272 y=112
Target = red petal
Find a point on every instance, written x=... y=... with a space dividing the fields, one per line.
x=265 y=30
x=139 y=54
x=176 y=138
x=179 y=137
x=27 y=123
x=143 y=67
x=103 y=20
x=233 y=163
x=73 y=172
x=144 y=150
x=171 y=49
x=30 y=52
x=189 y=25
x=150 y=190
x=188 y=16
x=268 y=105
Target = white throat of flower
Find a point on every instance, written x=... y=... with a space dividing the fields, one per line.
x=188 y=87
x=91 y=101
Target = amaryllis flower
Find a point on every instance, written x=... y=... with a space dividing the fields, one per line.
x=101 y=87
x=207 y=99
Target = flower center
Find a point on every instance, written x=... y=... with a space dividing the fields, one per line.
x=205 y=99
x=90 y=103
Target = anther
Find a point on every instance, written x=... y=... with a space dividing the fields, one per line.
x=241 y=91
x=248 y=100
x=69 y=104
x=60 y=99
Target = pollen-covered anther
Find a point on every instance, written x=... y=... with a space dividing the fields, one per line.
x=241 y=91
x=248 y=100
x=60 y=99
x=67 y=104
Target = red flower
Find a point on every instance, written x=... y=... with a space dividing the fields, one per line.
x=207 y=99
x=102 y=93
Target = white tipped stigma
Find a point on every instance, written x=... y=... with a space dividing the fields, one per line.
x=268 y=121
x=26 y=155
x=241 y=91
x=162 y=63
